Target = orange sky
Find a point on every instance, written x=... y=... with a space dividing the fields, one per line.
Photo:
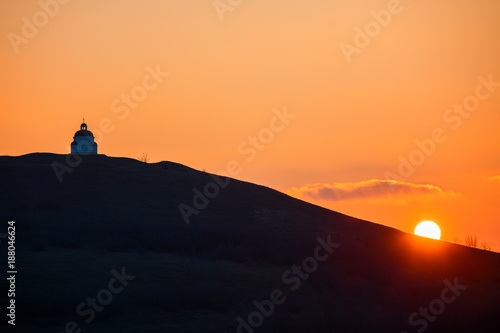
x=356 y=103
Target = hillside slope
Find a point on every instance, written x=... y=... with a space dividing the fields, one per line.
x=246 y=245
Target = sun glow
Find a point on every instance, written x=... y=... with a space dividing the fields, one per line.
x=428 y=229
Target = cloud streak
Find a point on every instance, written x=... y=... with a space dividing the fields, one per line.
x=370 y=189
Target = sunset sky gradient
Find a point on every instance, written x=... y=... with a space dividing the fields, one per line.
x=353 y=120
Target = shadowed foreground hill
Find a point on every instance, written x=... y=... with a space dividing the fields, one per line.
x=107 y=250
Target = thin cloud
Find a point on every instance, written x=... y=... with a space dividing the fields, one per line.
x=370 y=189
x=494 y=178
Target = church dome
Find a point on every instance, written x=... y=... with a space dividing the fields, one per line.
x=83 y=131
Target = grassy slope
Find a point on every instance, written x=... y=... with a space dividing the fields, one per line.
x=115 y=212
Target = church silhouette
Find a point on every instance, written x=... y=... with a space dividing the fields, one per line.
x=83 y=142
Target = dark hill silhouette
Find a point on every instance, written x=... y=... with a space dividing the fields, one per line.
x=113 y=213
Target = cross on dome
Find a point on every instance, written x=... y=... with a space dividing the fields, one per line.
x=83 y=126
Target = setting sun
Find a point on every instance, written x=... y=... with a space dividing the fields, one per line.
x=428 y=229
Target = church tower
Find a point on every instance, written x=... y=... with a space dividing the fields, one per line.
x=83 y=142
